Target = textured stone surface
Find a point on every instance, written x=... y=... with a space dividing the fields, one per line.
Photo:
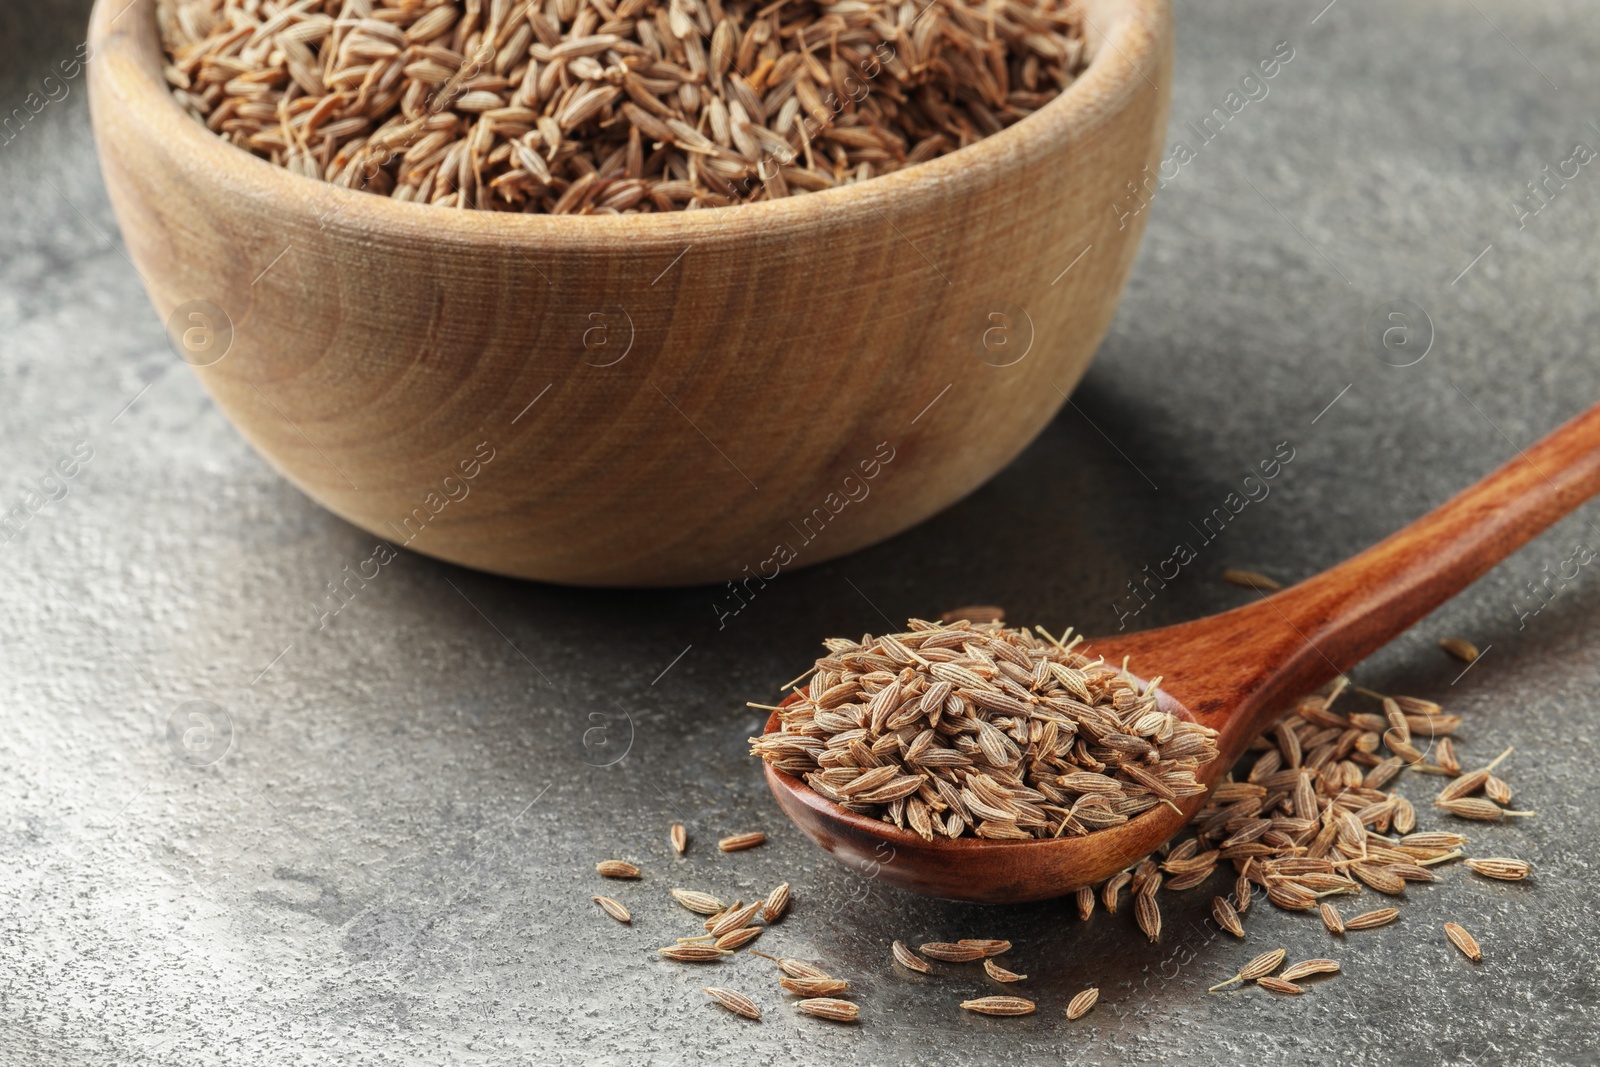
x=393 y=860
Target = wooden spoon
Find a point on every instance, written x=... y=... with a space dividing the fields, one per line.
x=1235 y=672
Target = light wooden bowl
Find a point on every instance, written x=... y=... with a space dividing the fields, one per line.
x=709 y=390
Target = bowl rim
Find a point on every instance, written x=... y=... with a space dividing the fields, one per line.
x=1125 y=44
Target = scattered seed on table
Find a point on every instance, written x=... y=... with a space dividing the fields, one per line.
x=1148 y=914
x=735 y=918
x=1385 y=770
x=1279 y=985
x=999 y=973
x=616 y=869
x=1265 y=963
x=1080 y=1004
x=776 y=904
x=841 y=1011
x=699 y=903
x=680 y=838
x=1331 y=918
x=1379 y=878
x=613 y=909
x=814 y=987
x=1412 y=872
x=1109 y=891
x=1306 y=968
x=1399 y=727
x=999 y=1006
x=1251 y=580
x=1291 y=897
x=1405 y=816
x=737 y=1003
x=739 y=938
x=1146 y=878
x=952 y=953
x=740 y=842
x=988 y=947
x=1190 y=879
x=792 y=967
x=1457 y=788
x=693 y=953
x=1497 y=790
x=1369 y=920
x=1470 y=782
x=1479 y=808
x=1465 y=651
x=1506 y=870
x=1463 y=941
x=908 y=959
x=1085 y=902
x=1226 y=917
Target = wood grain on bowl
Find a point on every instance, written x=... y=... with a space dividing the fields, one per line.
x=642 y=400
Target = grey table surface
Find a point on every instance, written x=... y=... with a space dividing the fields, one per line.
x=392 y=861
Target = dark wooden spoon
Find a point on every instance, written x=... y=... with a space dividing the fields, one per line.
x=1233 y=672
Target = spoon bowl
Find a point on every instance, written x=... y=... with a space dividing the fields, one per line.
x=971 y=868
x=1234 y=672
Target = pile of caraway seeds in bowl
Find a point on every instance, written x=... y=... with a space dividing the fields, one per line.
x=590 y=106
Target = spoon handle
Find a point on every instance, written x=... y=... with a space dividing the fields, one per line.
x=1293 y=641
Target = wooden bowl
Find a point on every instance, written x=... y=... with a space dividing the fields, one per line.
x=974 y=869
x=646 y=400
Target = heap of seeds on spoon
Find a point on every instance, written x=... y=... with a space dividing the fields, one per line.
x=585 y=106
x=964 y=729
